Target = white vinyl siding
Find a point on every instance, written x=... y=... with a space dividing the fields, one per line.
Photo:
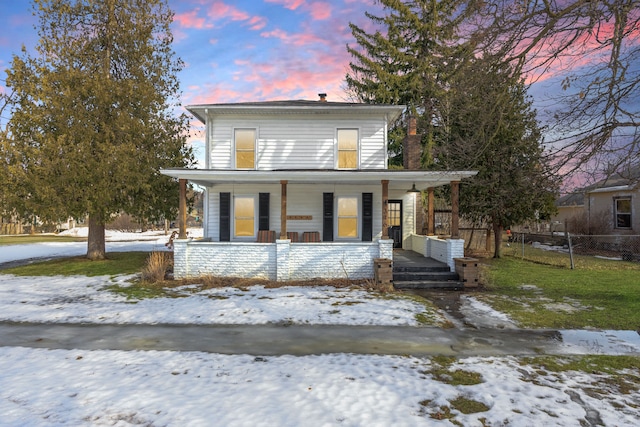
x=296 y=141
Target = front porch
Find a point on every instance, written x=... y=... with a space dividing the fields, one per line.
x=347 y=241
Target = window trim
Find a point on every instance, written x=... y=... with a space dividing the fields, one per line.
x=234 y=232
x=357 y=149
x=358 y=217
x=255 y=148
x=616 y=214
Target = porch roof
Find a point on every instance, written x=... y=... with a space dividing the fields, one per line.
x=398 y=179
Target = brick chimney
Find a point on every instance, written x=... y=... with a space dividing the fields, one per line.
x=411 y=156
x=411 y=146
x=323 y=97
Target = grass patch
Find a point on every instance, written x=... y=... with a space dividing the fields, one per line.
x=22 y=239
x=140 y=291
x=603 y=294
x=441 y=371
x=596 y=364
x=468 y=406
x=619 y=373
x=116 y=263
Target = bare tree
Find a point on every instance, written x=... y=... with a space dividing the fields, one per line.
x=590 y=50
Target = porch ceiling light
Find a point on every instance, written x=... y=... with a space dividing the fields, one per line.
x=413 y=189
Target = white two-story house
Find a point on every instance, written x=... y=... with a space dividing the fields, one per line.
x=297 y=190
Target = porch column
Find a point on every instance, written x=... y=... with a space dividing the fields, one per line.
x=455 y=192
x=182 y=213
x=385 y=209
x=283 y=209
x=431 y=214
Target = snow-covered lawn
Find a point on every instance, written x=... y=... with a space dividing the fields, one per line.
x=116 y=388
x=162 y=388
x=79 y=299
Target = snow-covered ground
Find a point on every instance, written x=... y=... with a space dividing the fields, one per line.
x=116 y=241
x=162 y=388
x=80 y=299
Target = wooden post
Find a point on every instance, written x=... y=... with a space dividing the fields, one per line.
x=431 y=220
x=283 y=210
x=385 y=209
x=182 y=213
x=455 y=193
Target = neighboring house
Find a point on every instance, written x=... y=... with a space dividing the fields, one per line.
x=300 y=189
x=570 y=210
x=610 y=206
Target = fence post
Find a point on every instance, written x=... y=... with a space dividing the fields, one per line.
x=570 y=250
x=523 y=245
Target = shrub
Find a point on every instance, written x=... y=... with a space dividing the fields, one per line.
x=156 y=267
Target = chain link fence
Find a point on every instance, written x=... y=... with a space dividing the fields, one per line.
x=572 y=250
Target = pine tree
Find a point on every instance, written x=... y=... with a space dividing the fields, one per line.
x=493 y=129
x=93 y=120
x=407 y=61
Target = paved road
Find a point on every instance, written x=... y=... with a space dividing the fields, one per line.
x=317 y=339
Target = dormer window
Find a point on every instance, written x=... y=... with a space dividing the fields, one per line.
x=245 y=147
x=348 y=149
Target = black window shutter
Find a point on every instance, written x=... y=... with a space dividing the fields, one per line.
x=263 y=211
x=327 y=217
x=225 y=217
x=367 y=217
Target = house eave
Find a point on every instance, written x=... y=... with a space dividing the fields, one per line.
x=295 y=107
x=612 y=189
x=398 y=179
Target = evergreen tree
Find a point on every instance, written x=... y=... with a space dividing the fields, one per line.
x=493 y=129
x=93 y=120
x=408 y=60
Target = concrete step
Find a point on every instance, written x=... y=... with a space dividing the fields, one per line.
x=452 y=285
x=407 y=276
x=401 y=269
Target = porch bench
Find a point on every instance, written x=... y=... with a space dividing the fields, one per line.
x=311 y=237
x=266 y=236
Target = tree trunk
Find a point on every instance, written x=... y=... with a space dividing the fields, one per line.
x=95 y=244
x=497 y=231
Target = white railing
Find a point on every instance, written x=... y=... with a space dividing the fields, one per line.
x=281 y=261
x=443 y=250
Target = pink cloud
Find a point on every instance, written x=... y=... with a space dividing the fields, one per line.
x=257 y=23
x=211 y=94
x=320 y=10
x=288 y=4
x=294 y=77
x=221 y=10
x=587 y=49
x=191 y=20
x=299 y=39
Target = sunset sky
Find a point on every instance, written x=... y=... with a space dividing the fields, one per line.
x=239 y=50
x=254 y=50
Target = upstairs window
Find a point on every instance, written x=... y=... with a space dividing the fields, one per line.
x=347 y=217
x=245 y=143
x=347 y=149
x=623 y=212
